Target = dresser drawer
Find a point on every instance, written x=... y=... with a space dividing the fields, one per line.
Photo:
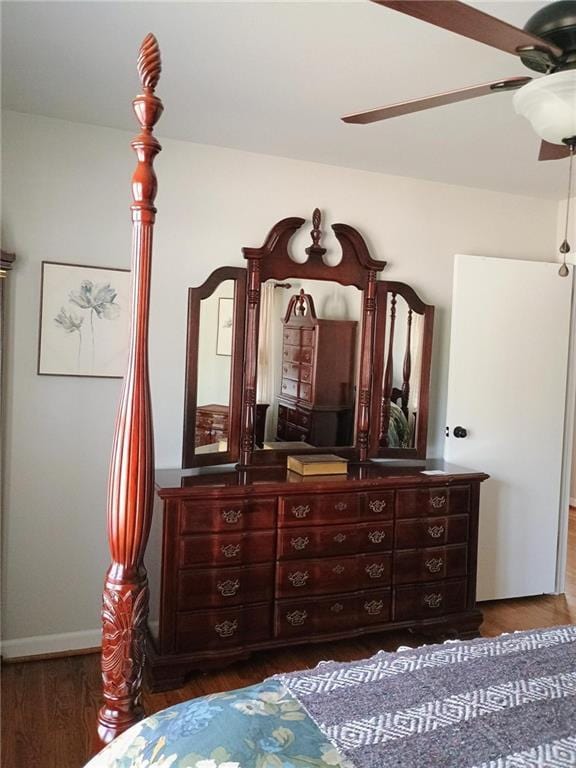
x=431 y=531
x=305 y=392
x=291 y=336
x=430 y=564
x=379 y=505
x=302 y=618
x=307 y=337
x=316 y=577
x=297 y=354
x=289 y=388
x=223 y=628
x=227 y=549
x=302 y=418
x=430 y=600
x=330 y=540
x=216 y=587
x=306 y=373
x=417 y=502
x=333 y=574
x=291 y=371
x=226 y=515
x=328 y=508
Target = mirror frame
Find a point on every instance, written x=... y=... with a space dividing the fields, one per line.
x=195 y=296
x=415 y=303
x=272 y=261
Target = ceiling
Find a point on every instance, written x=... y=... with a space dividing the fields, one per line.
x=274 y=78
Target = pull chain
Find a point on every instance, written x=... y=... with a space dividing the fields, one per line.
x=565 y=247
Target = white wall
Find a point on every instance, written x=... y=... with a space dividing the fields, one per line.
x=66 y=198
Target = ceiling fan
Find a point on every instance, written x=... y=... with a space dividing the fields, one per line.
x=547 y=44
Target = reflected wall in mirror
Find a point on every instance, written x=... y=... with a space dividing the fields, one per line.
x=213 y=368
x=404 y=371
x=308 y=350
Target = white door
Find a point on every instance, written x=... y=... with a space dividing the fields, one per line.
x=507 y=389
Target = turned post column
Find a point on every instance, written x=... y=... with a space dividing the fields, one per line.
x=131 y=479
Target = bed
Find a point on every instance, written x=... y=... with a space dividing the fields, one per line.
x=490 y=703
x=497 y=702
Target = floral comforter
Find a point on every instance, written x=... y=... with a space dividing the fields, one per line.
x=262 y=726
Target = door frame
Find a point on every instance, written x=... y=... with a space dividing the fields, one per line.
x=567 y=450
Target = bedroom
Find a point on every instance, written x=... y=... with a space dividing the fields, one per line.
x=228 y=170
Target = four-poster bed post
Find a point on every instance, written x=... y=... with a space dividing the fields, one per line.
x=131 y=479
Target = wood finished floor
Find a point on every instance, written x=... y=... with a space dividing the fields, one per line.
x=49 y=707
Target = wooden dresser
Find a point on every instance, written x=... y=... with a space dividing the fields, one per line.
x=316 y=401
x=211 y=424
x=263 y=558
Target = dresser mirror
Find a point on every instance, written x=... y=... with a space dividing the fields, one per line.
x=306 y=354
x=308 y=349
x=403 y=345
x=214 y=351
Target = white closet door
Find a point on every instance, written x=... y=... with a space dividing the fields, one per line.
x=507 y=388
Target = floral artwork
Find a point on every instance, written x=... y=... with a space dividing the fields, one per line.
x=224 y=330
x=84 y=320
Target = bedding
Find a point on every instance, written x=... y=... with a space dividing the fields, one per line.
x=505 y=702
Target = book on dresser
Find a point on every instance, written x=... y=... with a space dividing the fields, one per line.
x=317 y=464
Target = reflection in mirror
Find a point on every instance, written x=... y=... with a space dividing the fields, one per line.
x=309 y=343
x=214 y=369
x=402 y=373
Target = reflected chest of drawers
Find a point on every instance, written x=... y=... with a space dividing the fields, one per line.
x=243 y=561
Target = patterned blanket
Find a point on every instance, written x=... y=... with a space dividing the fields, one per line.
x=502 y=702
x=505 y=702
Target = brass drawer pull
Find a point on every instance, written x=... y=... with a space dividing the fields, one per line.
x=230 y=550
x=436 y=531
x=340 y=538
x=374 y=607
x=231 y=516
x=298 y=578
x=300 y=511
x=438 y=501
x=375 y=570
x=434 y=564
x=226 y=628
x=300 y=542
x=338 y=569
x=433 y=600
x=377 y=505
x=377 y=537
x=228 y=588
x=296 y=618
x=337 y=608
x=341 y=506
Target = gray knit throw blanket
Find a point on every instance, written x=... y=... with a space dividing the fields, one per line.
x=504 y=702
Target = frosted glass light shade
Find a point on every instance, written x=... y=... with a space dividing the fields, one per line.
x=549 y=103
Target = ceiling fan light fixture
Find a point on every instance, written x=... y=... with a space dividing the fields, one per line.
x=549 y=104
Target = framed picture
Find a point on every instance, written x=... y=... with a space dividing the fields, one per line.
x=84 y=320
x=225 y=323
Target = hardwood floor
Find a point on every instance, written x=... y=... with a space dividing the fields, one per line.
x=49 y=707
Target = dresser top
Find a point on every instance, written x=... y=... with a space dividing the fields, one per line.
x=180 y=482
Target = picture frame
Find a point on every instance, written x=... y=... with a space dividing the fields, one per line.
x=84 y=320
x=225 y=327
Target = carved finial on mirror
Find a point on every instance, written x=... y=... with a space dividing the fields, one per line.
x=316 y=249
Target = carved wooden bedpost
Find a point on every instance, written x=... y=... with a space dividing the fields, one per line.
x=130 y=488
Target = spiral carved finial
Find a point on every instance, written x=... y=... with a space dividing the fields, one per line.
x=149 y=62
x=316 y=249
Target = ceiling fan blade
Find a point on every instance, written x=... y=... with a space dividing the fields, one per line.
x=553 y=151
x=438 y=100
x=470 y=22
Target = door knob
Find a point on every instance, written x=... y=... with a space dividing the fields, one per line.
x=460 y=432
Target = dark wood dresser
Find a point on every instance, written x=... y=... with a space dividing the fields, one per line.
x=316 y=401
x=262 y=558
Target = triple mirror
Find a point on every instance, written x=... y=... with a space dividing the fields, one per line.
x=281 y=356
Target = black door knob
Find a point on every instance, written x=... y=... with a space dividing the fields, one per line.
x=460 y=432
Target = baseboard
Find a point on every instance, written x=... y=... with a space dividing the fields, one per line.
x=43 y=645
